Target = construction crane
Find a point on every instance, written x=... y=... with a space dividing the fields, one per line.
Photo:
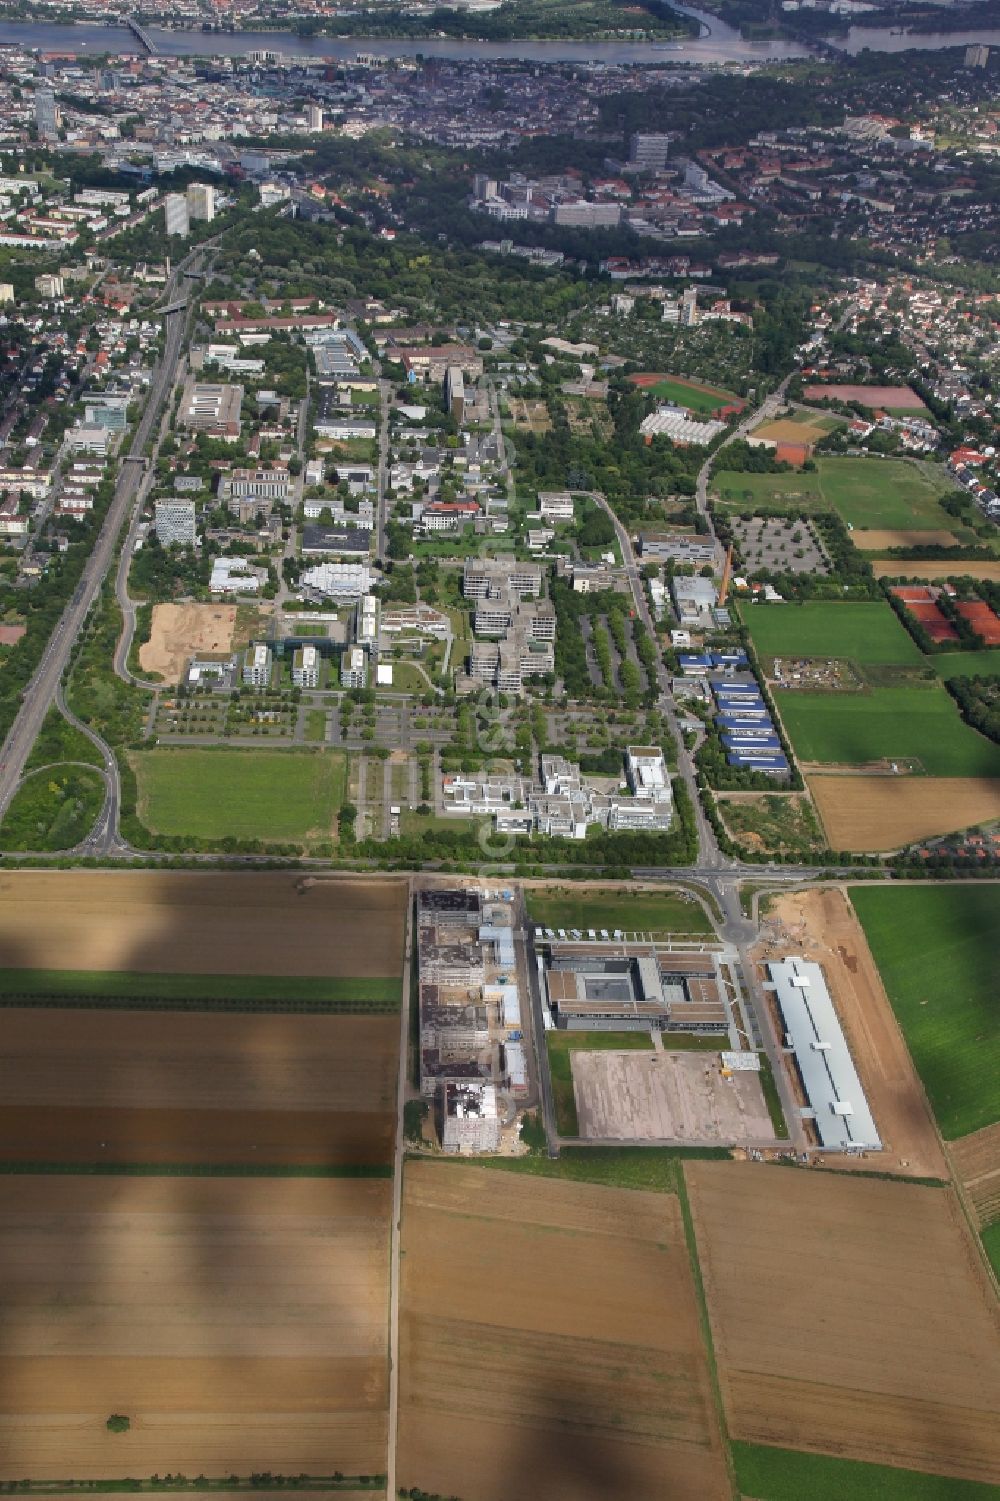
x=727 y=574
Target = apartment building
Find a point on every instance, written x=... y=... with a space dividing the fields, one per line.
x=175 y=523
x=257 y=665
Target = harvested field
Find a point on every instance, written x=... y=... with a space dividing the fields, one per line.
x=875 y=539
x=181 y=631
x=239 y=1324
x=154 y=1087
x=867 y=813
x=592 y=1383
x=850 y=1316
x=904 y=568
x=179 y=922
x=667 y=1096
x=977 y=1163
x=821 y=925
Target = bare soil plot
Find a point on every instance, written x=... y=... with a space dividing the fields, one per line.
x=668 y=1096
x=239 y=1323
x=850 y=1316
x=900 y=398
x=183 y=923
x=875 y=539
x=155 y=1087
x=821 y=925
x=181 y=631
x=865 y=812
x=530 y=414
x=550 y=1343
x=903 y=568
x=977 y=1163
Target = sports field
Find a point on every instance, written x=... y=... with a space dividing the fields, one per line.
x=892 y=494
x=550 y=1343
x=632 y=911
x=850 y=1316
x=275 y=796
x=862 y=632
x=238 y=1322
x=936 y=949
x=693 y=394
x=919 y=725
x=187 y=924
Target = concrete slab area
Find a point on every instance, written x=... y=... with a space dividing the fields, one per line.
x=678 y=1097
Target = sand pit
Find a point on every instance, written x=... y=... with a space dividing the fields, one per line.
x=887 y=812
x=175 y=1087
x=850 y=1317
x=182 y=631
x=239 y=1323
x=821 y=925
x=874 y=540
x=183 y=923
x=549 y=1343
x=669 y=1096
x=977 y=1163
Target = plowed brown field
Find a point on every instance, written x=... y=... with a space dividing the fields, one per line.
x=821 y=925
x=850 y=1317
x=886 y=812
x=977 y=1163
x=239 y=1323
x=873 y=539
x=145 y=1086
x=901 y=568
x=550 y=1343
x=177 y=922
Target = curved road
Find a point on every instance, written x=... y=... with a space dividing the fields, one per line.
x=44 y=688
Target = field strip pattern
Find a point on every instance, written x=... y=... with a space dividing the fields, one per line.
x=550 y=1342
x=241 y=1323
x=850 y=1316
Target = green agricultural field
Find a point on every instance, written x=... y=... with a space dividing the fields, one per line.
x=967 y=664
x=936 y=948
x=786 y=1475
x=279 y=797
x=991 y=1244
x=139 y=989
x=897 y=724
x=886 y=494
x=561 y=1047
x=865 y=632
x=632 y=911
x=53 y=809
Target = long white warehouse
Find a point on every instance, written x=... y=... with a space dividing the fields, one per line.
x=842 y=1117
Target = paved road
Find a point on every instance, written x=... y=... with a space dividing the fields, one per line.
x=382 y=478
x=397 y=1203
x=41 y=691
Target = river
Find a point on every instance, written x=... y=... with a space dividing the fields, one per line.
x=719 y=43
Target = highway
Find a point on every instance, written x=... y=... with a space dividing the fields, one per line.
x=44 y=688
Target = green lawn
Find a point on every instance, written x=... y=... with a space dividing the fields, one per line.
x=631 y=911
x=138 y=988
x=274 y=796
x=853 y=729
x=967 y=664
x=653 y=1169
x=936 y=949
x=561 y=1047
x=870 y=493
x=785 y=1475
x=863 y=632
